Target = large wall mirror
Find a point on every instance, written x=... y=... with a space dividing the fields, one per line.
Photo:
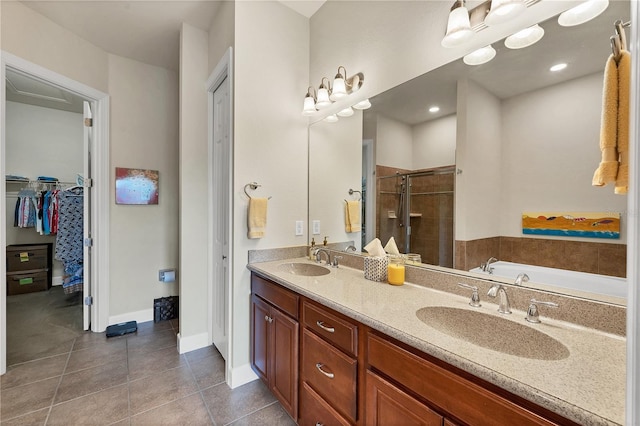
x=509 y=137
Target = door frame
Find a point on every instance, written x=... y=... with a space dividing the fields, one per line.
x=223 y=70
x=101 y=183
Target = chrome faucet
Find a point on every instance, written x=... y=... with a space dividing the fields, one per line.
x=521 y=278
x=319 y=251
x=350 y=248
x=532 y=313
x=486 y=266
x=498 y=290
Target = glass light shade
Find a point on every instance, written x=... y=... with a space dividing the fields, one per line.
x=582 y=13
x=524 y=38
x=323 y=99
x=339 y=89
x=331 y=118
x=504 y=10
x=458 y=28
x=347 y=112
x=480 y=56
x=363 y=104
x=309 y=107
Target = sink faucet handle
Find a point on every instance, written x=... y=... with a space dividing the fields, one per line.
x=533 y=314
x=475 y=297
x=335 y=262
x=521 y=278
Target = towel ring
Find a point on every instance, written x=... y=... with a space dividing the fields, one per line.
x=351 y=192
x=253 y=186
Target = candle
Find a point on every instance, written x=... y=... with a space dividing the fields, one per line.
x=395 y=273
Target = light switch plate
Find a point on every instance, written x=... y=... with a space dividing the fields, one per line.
x=316 y=227
x=299 y=227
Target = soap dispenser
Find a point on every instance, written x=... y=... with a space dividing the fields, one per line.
x=311 y=249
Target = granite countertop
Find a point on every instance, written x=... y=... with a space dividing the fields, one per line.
x=587 y=387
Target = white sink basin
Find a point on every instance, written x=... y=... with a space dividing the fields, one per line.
x=306 y=269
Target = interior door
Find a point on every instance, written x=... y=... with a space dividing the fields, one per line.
x=221 y=183
x=88 y=138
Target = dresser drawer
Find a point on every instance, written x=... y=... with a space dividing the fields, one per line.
x=28 y=282
x=339 y=332
x=330 y=373
x=280 y=297
x=316 y=411
x=27 y=258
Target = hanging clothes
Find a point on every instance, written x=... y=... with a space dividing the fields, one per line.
x=70 y=227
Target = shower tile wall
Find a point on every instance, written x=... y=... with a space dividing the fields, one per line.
x=387 y=200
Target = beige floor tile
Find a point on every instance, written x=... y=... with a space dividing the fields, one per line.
x=84 y=382
x=208 y=371
x=201 y=353
x=100 y=408
x=21 y=400
x=153 y=391
x=227 y=405
x=98 y=354
x=37 y=418
x=273 y=415
x=22 y=374
x=187 y=411
x=147 y=364
x=151 y=342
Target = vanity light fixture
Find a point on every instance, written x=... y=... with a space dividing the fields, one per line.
x=331 y=118
x=347 y=112
x=324 y=92
x=558 y=67
x=582 y=13
x=309 y=107
x=480 y=56
x=524 y=38
x=504 y=10
x=434 y=109
x=343 y=86
x=458 y=26
x=365 y=104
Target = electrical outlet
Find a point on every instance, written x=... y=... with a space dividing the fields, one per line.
x=299 y=227
x=316 y=227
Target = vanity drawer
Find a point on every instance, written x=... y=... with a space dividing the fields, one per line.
x=443 y=388
x=336 y=330
x=279 y=297
x=314 y=410
x=27 y=258
x=331 y=373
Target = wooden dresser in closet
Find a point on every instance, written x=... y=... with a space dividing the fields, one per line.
x=29 y=268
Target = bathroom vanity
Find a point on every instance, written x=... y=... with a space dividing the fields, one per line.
x=339 y=349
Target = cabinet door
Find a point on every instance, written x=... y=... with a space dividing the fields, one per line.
x=260 y=337
x=284 y=360
x=387 y=406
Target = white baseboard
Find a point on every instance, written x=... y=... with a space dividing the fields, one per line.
x=191 y=343
x=56 y=280
x=139 y=316
x=240 y=376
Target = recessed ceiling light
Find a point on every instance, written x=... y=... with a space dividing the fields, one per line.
x=434 y=109
x=480 y=56
x=558 y=67
x=582 y=13
x=524 y=38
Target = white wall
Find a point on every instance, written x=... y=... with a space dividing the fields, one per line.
x=193 y=186
x=478 y=155
x=550 y=151
x=434 y=143
x=270 y=145
x=222 y=32
x=40 y=142
x=144 y=134
x=394 y=143
x=335 y=166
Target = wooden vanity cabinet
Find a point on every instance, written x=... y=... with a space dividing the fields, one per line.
x=274 y=340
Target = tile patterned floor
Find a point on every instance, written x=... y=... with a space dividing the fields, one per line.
x=136 y=379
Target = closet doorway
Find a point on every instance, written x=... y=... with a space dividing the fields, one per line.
x=51 y=143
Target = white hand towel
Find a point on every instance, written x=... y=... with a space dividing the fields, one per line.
x=374 y=248
x=391 y=247
x=257 y=217
x=352 y=216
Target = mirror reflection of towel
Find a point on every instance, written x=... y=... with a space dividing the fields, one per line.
x=352 y=216
x=257 y=217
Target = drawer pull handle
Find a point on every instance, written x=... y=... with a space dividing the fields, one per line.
x=319 y=367
x=319 y=424
x=268 y=319
x=324 y=327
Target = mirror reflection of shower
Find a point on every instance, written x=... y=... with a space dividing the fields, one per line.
x=416 y=209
